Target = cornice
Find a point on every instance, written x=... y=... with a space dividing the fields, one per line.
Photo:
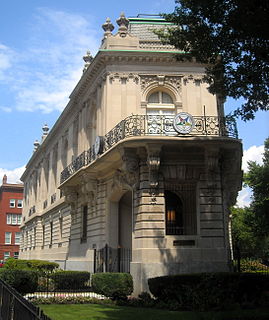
x=94 y=76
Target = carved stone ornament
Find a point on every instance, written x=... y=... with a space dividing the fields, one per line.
x=160 y=80
x=153 y=162
x=212 y=166
x=123 y=23
x=108 y=27
x=89 y=189
x=197 y=78
x=128 y=176
x=123 y=77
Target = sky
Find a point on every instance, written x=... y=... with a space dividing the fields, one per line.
x=42 y=43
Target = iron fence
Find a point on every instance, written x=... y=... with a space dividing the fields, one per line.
x=13 y=306
x=153 y=125
x=110 y=259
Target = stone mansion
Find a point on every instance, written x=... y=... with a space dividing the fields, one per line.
x=138 y=173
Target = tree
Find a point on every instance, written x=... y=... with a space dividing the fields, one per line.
x=250 y=225
x=257 y=178
x=231 y=38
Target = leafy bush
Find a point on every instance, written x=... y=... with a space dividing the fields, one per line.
x=248 y=265
x=70 y=279
x=42 y=266
x=117 y=286
x=24 y=281
x=211 y=291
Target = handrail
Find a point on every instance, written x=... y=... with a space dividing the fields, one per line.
x=153 y=125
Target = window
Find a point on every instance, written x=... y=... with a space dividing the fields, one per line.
x=84 y=223
x=19 y=203
x=17 y=237
x=6 y=255
x=8 y=237
x=13 y=218
x=43 y=235
x=60 y=227
x=180 y=211
x=16 y=255
x=174 y=214
x=12 y=203
x=51 y=232
x=160 y=113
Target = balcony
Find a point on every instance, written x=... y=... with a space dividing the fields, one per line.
x=153 y=125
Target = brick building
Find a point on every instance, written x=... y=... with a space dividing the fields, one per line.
x=11 y=203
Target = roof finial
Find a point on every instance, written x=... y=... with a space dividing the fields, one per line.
x=88 y=59
x=4 y=179
x=123 y=23
x=36 y=145
x=45 y=129
x=108 y=27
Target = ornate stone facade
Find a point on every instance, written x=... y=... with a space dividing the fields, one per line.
x=114 y=170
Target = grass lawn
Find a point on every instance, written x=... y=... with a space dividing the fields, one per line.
x=101 y=312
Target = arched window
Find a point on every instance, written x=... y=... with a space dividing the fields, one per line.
x=160 y=103
x=180 y=212
x=174 y=214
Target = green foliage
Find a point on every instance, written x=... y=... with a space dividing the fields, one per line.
x=117 y=286
x=24 y=281
x=231 y=38
x=70 y=279
x=214 y=291
x=42 y=266
x=249 y=265
x=250 y=225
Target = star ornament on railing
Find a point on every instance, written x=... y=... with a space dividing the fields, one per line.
x=183 y=123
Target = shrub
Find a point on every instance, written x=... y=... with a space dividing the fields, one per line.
x=209 y=291
x=24 y=281
x=248 y=265
x=117 y=286
x=70 y=279
x=42 y=266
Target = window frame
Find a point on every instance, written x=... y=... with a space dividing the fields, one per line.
x=8 y=239
x=16 y=237
x=12 y=203
x=20 y=203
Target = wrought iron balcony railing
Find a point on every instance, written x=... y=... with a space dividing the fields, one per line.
x=153 y=125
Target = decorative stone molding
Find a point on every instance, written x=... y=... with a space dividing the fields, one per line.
x=160 y=80
x=212 y=158
x=71 y=197
x=153 y=162
x=123 y=77
x=128 y=176
x=197 y=78
x=89 y=189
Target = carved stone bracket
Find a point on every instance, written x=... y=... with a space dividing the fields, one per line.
x=128 y=176
x=71 y=197
x=153 y=162
x=197 y=78
x=89 y=188
x=212 y=158
x=123 y=77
